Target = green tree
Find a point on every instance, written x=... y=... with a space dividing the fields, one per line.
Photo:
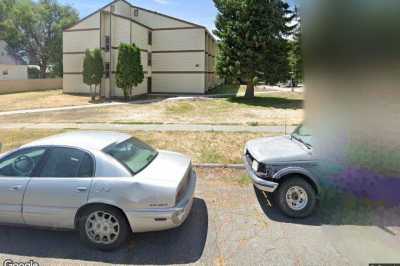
x=93 y=70
x=129 y=69
x=5 y=8
x=33 y=30
x=253 y=41
x=296 y=60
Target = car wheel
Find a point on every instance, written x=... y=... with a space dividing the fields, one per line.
x=296 y=198
x=103 y=228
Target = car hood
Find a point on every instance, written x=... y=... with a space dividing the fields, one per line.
x=167 y=167
x=278 y=150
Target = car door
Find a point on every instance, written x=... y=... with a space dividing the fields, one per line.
x=61 y=187
x=15 y=171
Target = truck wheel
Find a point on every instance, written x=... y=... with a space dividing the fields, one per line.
x=103 y=227
x=296 y=198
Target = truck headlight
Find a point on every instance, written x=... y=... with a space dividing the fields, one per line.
x=266 y=170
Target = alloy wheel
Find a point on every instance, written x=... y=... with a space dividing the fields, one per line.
x=102 y=227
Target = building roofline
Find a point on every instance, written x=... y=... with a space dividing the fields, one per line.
x=171 y=17
x=91 y=14
x=147 y=10
x=163 y=15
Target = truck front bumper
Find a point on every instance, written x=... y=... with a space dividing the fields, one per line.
x=261 y=184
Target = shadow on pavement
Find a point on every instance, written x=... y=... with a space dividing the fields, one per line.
x=273 y=213
x=337 y=212
x=272 y=102
x=177 y=246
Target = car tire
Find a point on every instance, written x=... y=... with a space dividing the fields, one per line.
x=296 y=198
x=107 y=234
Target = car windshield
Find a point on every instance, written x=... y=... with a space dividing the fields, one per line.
x=133 y=154
x=303 y=134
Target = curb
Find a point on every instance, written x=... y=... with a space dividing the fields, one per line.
x=148 y=127
x=218 y=165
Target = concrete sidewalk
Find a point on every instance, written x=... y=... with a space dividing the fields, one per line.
x=67 y=108
x=150 y=127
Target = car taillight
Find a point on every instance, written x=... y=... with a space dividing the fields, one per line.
x=183 y=186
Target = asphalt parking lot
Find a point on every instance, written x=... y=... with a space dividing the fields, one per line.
x=227 y=226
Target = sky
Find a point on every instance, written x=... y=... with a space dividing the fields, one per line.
x=201 y=12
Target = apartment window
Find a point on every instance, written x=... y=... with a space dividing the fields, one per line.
x=5 y=72
x=107 y=70
x=112 y=8
x=150 y=37
x=149 y=85
x=149 y=59
x=136 y=12
x=108 y=43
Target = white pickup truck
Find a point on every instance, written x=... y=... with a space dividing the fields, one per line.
x=285 y=166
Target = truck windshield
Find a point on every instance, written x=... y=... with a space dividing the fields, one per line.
x=303 y=134
x=133 y=154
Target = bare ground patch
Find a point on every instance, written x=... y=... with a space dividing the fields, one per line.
x=39 y=99
x=273 y=109
x=203 y=147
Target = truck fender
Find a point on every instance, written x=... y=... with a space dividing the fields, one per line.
x=299 y=171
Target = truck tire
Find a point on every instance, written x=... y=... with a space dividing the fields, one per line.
x=296 y=198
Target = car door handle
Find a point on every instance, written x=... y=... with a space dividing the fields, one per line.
x=81 y=189
x=15 y=188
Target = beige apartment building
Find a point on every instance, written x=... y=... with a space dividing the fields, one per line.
x=177 y=56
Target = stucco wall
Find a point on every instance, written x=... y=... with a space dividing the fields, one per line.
x=79 y=41
x=73 y=83
x=140 y=36
x=192 y=61
x=12 y=86
x=179 y=61
x=122 y=8
x=157 y=21
x=187 y=39
x=73 y=62
x=90 y=22
x=13 y=72
x=120 y=30
x=178 y=83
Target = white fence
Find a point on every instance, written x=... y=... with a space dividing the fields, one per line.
x=13 y=86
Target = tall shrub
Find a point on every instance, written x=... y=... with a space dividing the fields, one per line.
x=129 y=69
x=93 y=69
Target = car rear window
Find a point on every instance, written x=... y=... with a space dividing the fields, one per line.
x=133 y=154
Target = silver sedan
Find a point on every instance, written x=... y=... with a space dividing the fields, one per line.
x=104 y=184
